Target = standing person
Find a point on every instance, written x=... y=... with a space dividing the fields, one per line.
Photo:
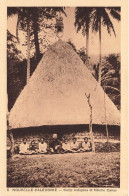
x=86 y=145
x=55 y=146
x=66 y=146
x=74 y=145
x=42 y=146
x=24 y=147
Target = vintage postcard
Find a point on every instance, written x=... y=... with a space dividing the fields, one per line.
x=64 y=98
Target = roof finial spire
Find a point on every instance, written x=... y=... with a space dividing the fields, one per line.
x=59 y=26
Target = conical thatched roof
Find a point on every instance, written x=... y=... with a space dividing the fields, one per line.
x=55 y=94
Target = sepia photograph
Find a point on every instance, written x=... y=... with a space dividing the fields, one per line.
x=64 y=97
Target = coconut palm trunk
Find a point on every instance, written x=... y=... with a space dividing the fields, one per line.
x=100 y=55
x=35 y=31
x=28 y=49
x=36 y=41
x=87 y=44
x=18 y=20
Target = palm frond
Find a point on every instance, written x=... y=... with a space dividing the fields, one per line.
x=115 y=14
x=118 y=9
x=112 y=88
x=110 y=72
x=107 y=22
x=96 y=19
x=83 y=18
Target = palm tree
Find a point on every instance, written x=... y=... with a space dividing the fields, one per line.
x=101 y=16
x=110 y=81
x=82 y=22
x=28 y=46
x=29 y=21
x=111 y=78
x=23 y=16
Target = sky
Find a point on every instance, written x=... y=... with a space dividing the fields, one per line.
x=110 y=44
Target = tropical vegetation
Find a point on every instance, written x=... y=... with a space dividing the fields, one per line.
x=33 y=21
x=95 y=18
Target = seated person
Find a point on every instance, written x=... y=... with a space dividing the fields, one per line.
x=66 y=146
x=16 y=149
x=74 y=145
x=86 y=145
x=42 y=146
x=32 y=149
x=24 y=147
x=55 y=146
x=8 y=152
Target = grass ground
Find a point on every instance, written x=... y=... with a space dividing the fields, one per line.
x=100 y=169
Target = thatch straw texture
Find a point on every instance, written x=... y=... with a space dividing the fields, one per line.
x=55 y=94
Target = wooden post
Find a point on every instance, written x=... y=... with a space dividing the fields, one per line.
x=90 y=125
x=12 y=142
x=106 y=115
x=10 y=136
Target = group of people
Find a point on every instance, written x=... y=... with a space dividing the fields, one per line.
x=55 y=146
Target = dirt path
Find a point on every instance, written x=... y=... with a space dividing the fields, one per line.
x=65 y=170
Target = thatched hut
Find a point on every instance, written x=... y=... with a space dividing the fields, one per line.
x=54 y=99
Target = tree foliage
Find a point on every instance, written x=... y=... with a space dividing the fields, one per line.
x=12 y=52
x=72 y=44
x=83 y=19
x=110 y=77
x=102 y=15
x=39 y=20
x=95 y=18
x=111 y=73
